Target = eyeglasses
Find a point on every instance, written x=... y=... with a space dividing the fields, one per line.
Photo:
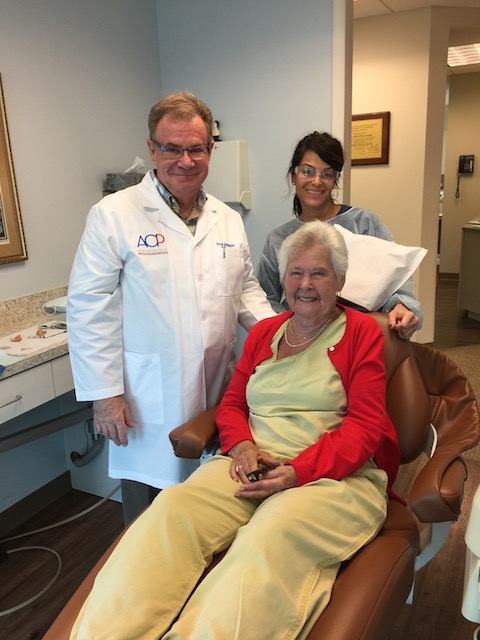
x=309 y=172
x=171 y=151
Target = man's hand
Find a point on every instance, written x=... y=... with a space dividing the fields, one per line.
x=112 y=417
x=403 y=321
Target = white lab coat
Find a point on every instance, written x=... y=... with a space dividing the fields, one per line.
x=152 y=314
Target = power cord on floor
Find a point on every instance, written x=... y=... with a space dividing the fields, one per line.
x=6 y=612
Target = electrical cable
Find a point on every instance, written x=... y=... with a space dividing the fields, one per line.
x=59 y=567
x=6 y=612
x=62 y=522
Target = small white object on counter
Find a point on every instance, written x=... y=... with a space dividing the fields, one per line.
x=28 y=342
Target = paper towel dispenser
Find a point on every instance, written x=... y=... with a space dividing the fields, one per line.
x=228 y=178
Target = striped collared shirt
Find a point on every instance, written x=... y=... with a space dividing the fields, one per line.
x=192 y=219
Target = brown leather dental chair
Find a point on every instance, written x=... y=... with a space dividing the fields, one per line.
x=436 y=417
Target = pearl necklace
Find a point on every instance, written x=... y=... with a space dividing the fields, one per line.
x=309 y=338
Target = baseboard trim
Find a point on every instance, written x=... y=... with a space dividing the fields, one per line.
x=29 y=506
x=448 y=276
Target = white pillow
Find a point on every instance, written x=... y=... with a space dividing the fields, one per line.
x=376 y=268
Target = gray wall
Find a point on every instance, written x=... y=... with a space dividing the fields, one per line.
x=266 y=70
x=78 y=81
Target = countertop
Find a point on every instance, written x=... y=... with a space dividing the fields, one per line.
x=24 y=312
x=472 y=224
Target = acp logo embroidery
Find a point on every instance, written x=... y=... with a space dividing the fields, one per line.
x=151 y=244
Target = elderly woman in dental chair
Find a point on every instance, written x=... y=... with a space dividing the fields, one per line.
x=308 y=455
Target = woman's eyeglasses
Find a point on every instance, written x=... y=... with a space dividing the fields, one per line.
x=309 y=172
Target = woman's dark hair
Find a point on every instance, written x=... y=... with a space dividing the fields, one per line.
x=326 y=147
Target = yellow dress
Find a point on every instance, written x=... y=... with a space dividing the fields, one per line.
x=285 y=551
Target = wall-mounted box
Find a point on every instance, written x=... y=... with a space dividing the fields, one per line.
x=228 y=178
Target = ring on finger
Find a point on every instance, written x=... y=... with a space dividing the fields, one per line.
x=237 y=469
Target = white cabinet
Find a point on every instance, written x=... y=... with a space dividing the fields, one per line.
x=62 y=375
x=25 y=391
x=37 y=402
x=469 y=282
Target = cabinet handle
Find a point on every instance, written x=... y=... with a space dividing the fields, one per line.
x=16 y=399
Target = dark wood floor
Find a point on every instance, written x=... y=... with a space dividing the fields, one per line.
x=453 y=327
x=435 y=614
x=79 y=544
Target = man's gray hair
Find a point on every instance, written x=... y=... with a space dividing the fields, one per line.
x=180 y=105
x=311 y=234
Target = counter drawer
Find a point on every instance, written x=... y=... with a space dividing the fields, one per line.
x=35 y=386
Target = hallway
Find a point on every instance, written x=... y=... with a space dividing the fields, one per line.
x=453 y=328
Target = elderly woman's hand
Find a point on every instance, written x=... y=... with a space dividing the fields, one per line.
x=272 y=481
x=404 y=321
x=246 y=458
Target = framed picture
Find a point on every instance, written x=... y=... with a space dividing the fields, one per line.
x=370 y=138
x=12 y=241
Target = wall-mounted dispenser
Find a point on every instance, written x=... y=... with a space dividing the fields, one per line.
x=228 y=178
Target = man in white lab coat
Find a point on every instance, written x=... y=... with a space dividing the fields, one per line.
x=160 y=280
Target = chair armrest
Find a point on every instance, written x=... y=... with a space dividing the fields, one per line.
x=190 y=438
x=437 y=493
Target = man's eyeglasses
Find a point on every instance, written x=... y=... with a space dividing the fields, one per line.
x=309 y=172
x=171 y=151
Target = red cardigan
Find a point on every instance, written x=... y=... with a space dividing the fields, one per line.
x=366 y=430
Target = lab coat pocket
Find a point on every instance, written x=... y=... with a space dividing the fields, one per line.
x=144 y=387
x=230 y=268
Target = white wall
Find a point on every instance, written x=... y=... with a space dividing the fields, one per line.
x=399 y=65
x=392 y=82
x=390 y=73
x=396 y=73
x=462 y=138
x=78 y=79
x=266 y=71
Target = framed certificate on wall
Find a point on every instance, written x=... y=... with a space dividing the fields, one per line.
x=370 y=138
x=12 y=241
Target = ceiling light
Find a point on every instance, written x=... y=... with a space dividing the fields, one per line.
x=466 y=54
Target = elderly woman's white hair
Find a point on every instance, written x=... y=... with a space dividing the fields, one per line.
x=310 y=234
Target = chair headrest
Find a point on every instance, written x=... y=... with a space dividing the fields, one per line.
x=454 y=409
